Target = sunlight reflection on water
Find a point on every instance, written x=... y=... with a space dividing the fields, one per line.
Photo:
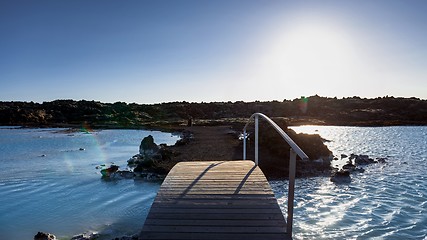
x=387 y=201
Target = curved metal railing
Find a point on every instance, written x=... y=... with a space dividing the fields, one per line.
x=294 y=151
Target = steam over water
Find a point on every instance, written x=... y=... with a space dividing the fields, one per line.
x=387 y=201
x=48 y=184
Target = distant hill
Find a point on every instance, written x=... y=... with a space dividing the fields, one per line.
x=354 y=111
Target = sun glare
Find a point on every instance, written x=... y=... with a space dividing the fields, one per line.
x=311 y=55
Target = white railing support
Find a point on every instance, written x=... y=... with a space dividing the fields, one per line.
x=294 y=151
x=291 y=189
x=244 y=144
x=256 y=140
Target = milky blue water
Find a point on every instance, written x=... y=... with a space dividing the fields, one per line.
x=48 y=184
x=388 y=201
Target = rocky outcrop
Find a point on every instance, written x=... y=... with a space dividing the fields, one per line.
x=94 y=236
x=148 y=148
x=44 y=236
x=342 y=176
x=365 y=159
x=147 y=164
x=275 y=152
x=107 y=172
x=86 y=236
x=353 y=165
x=186 y=137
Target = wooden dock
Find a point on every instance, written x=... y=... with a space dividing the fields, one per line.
x=215 y=200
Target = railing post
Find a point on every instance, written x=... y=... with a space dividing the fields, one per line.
x=294 y=151
x=256 y=140
x=244 y=144
x=292 y=166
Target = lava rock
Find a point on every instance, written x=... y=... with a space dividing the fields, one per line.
x=109 y=171
x=126 y=174
x=44 y=236
x=349 y=166
x=148 y=147
x=86 y=236
x=363 y=160
x=342 y=176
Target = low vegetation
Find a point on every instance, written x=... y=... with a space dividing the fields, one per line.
x=382 y=111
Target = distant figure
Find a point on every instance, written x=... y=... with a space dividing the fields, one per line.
x=190 y=121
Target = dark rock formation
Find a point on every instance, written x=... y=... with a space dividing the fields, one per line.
x=125 y=174
x=186 y=137
x=359 y=160
x=365 y=159
x=342 y=176
x=85 y=236
x=148 y=148
x=147 y=164
x=274 y=152
x=44 y=236
x=362 y=159
x=349 y=166
x=381 y=160
x=109 y=171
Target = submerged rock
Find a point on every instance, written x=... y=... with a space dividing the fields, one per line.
x=342 y=176
x=363 y=160
x=349 y=166
x=86 y=236
x=134 y=237
x=125 y=174
x=150 y=176
x=109 y=171
x=381 y=160
x=44 y=236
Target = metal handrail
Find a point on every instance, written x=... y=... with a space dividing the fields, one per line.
x=294 y=151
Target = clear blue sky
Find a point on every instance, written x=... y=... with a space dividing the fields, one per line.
x=161 y=51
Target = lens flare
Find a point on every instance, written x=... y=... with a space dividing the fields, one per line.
x=92 y=151
x=303 y=104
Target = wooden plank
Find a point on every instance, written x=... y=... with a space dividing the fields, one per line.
x=216 y=229
x=217 y=216
x=215 y=200
x=212 y=236
x=214 y=210
x=213 y=222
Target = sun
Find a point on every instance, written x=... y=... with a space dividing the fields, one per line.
x=311 y=55
x=315 y=49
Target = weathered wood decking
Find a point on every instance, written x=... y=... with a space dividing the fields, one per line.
x=215 y=200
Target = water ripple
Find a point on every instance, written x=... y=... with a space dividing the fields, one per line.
x=386 y=202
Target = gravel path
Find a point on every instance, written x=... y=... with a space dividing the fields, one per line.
x=210 y=143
